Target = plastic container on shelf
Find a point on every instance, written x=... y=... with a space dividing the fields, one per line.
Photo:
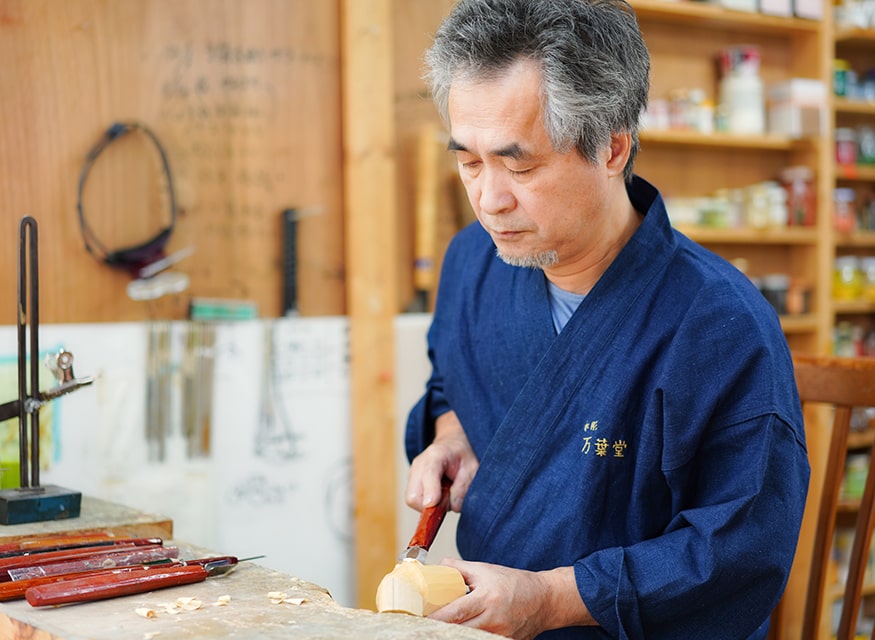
x=847 y=283
x=846 y=146
x=844 y=211
x=867 y=271
x=865 y=145
x=867 y=214
x=798 y=296
x=774 y=287
x=840 y=77
x=757 y=207
x=777 y=204
x=741 y=90
x=798 y=182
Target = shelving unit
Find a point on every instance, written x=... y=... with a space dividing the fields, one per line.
x=687 y=164
x=857 y=46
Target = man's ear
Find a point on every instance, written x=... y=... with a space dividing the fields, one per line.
x=621 y=145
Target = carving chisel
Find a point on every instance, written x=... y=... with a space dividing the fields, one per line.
x=16 y=562
x=39 y=546
x=429 y=522
x=115 y=559
x=110 y=585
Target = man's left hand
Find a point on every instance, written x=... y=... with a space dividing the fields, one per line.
x=515 y=603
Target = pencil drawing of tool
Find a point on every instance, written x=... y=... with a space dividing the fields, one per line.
x=110 y=585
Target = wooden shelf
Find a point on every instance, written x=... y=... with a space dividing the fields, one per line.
x=834 y=591
x=769 y=236
x=857 y=172
x=861 y=38
x=861 y=439
x=853 y=306
x=861 y=239
x=859 y=107
x=703 y=14
x=766 y=142
x=802 y=323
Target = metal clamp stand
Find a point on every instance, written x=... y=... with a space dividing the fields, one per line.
x=32 y=502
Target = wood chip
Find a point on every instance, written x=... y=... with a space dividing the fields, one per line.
x=281 y=597
x=191 y=604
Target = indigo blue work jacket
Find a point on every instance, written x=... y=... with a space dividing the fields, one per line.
x=656 y=444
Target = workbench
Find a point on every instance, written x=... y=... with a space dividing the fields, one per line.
x=252 y=602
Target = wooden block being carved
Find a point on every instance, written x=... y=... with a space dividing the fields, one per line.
x=419 y=589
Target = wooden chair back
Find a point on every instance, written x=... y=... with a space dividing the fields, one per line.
x=845 y=384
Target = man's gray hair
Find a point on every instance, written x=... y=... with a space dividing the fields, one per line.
x=594 y=63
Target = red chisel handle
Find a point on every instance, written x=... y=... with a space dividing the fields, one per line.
x=138 y=555
x=431 y=518
x=16 y=589
x=110 y=585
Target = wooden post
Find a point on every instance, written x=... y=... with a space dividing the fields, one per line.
x=372 y=290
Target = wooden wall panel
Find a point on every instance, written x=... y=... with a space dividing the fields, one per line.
x=245 y=97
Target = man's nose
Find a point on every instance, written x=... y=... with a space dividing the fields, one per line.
x=496 y=195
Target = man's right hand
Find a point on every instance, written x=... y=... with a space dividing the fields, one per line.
x=450 y=455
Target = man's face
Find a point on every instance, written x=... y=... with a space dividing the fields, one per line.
x=541 y=207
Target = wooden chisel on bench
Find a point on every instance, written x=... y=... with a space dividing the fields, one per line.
x=102 y=586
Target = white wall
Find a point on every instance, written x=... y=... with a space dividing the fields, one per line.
x=413 y=369
x=275 y=479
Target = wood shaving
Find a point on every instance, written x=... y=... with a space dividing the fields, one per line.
x=221 y=601
x=191 y=605
x=151 y=634
x=281 y=597
x=146 y=612
x=181 y=604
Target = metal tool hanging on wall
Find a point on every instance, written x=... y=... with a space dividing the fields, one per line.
x=31 y=502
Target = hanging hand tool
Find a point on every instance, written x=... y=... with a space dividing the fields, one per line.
x=110 y=585
x=426 y=217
